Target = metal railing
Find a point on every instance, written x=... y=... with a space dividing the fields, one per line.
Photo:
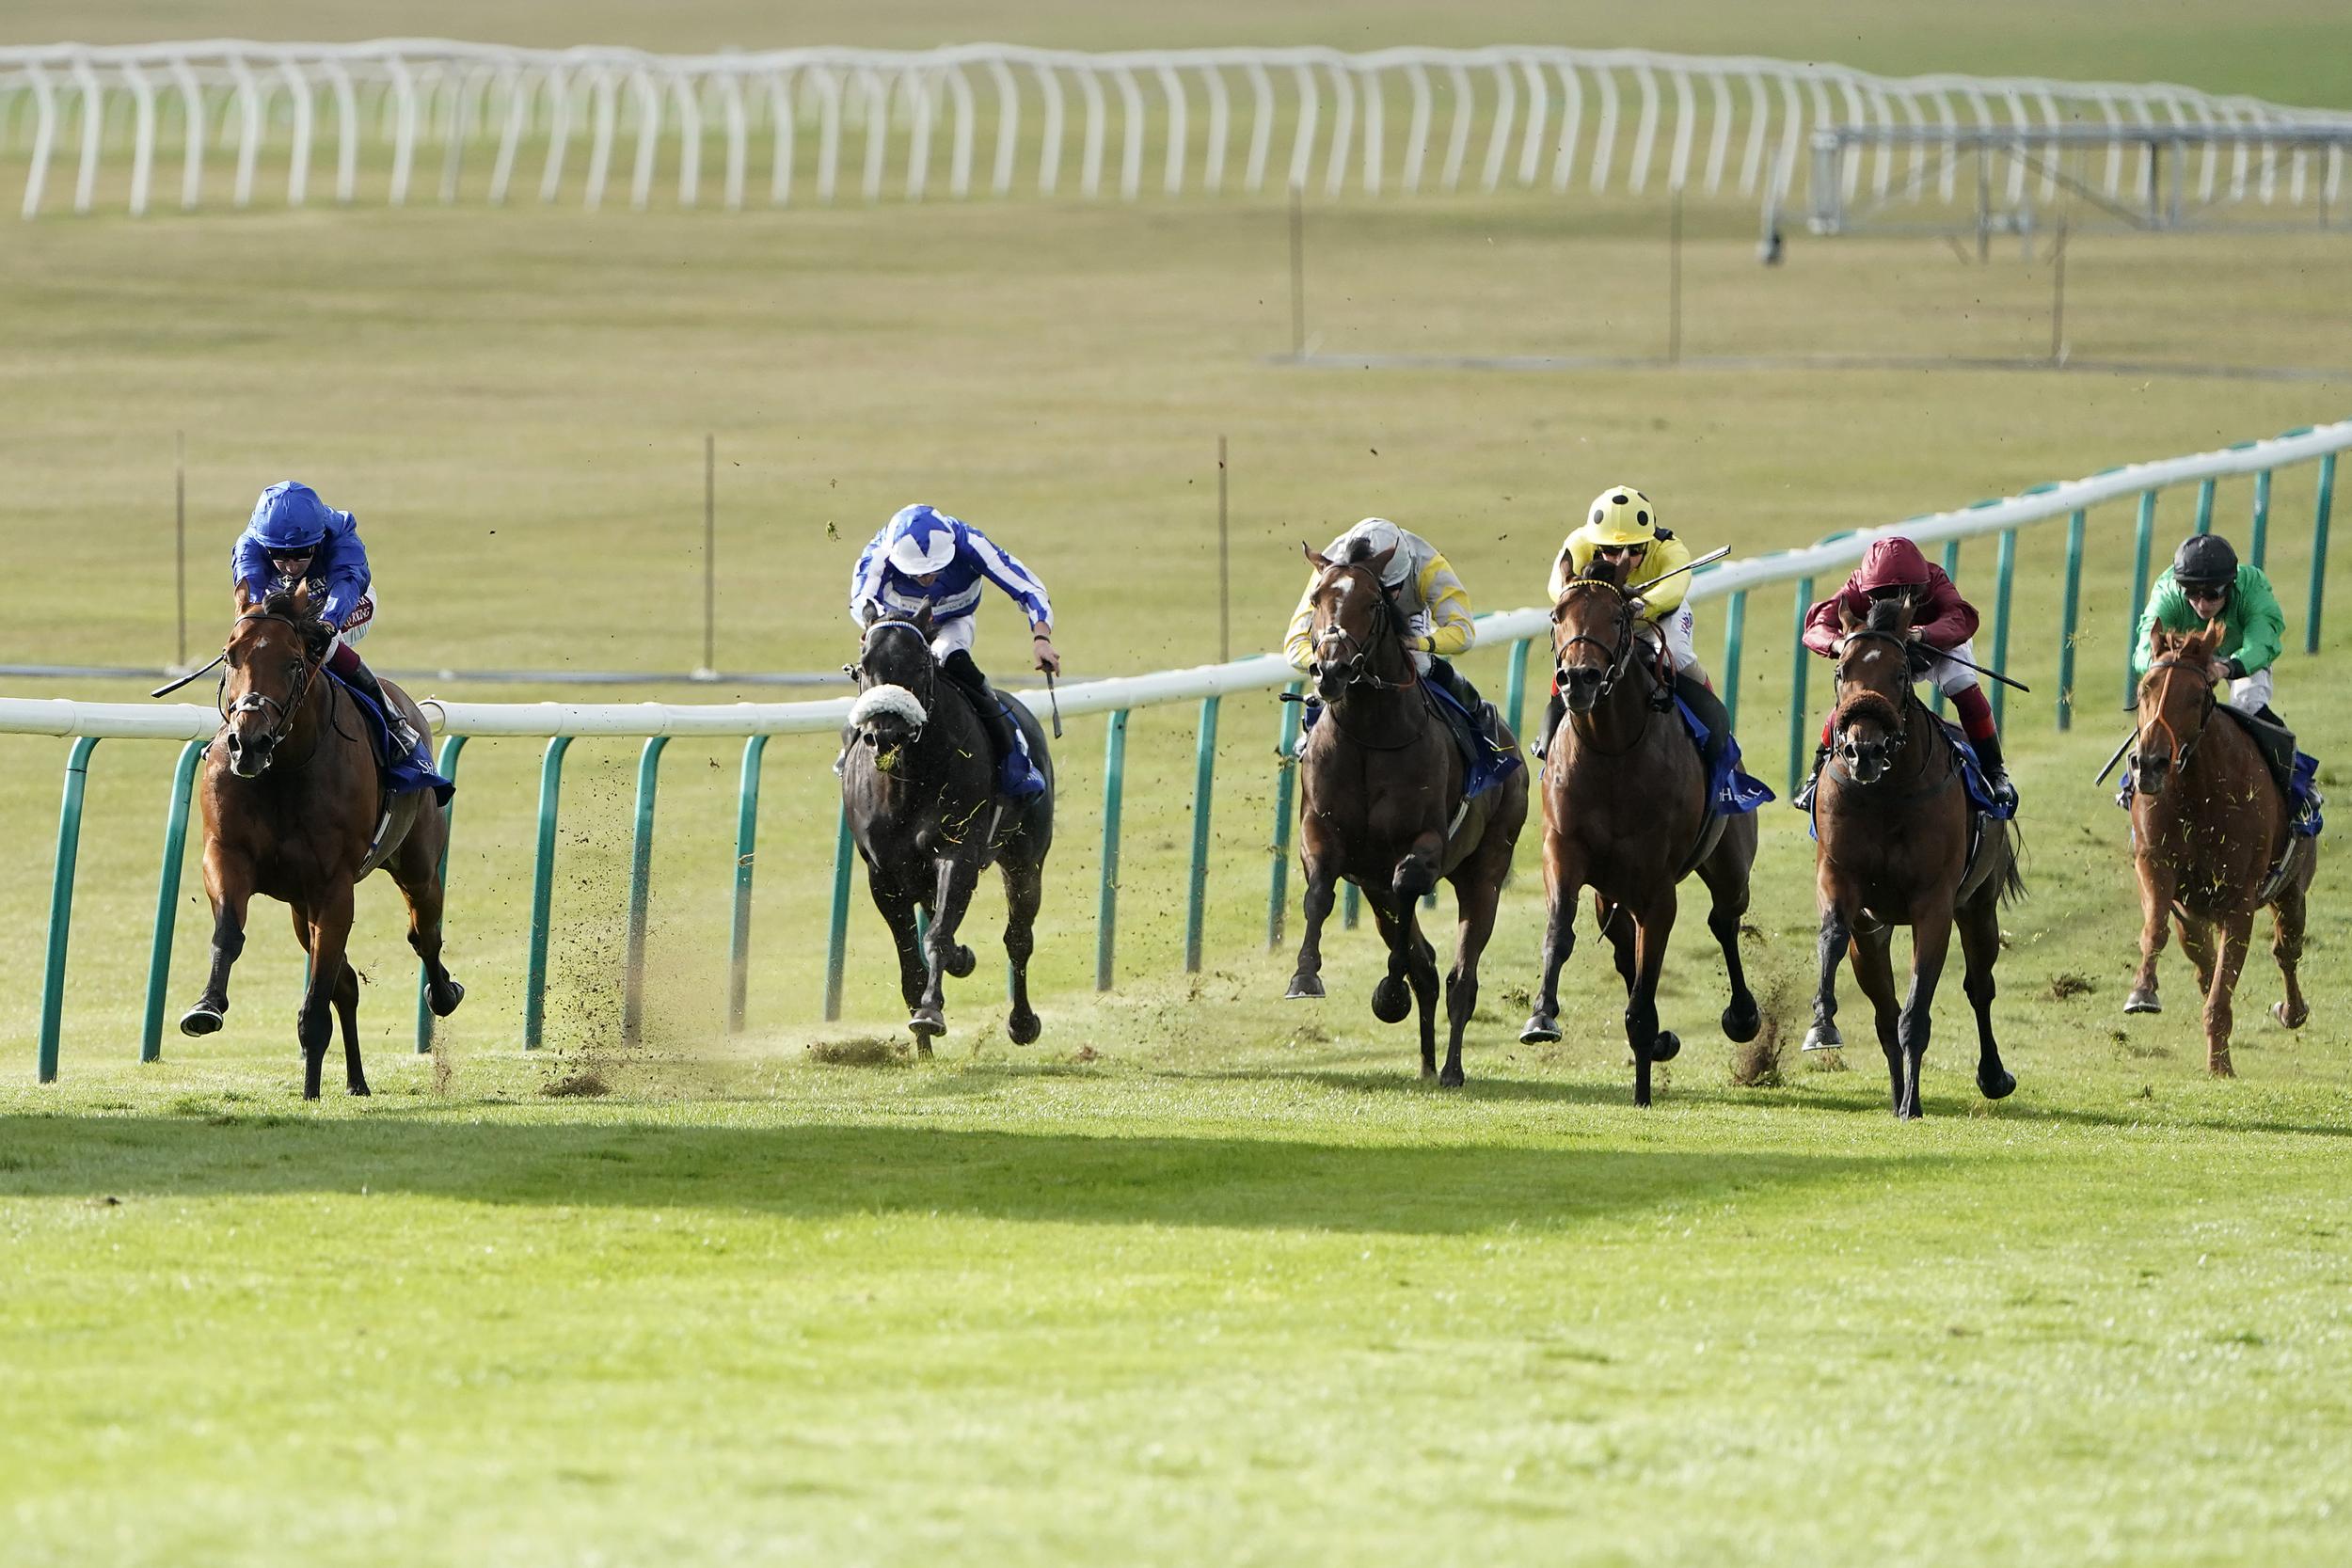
x=560 y=724
x=985 y=118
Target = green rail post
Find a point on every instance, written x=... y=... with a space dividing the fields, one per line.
x=542 y=894
x=1203 y=785
x=2204 y=506
x=837 y=928
x=1796 y=690
x=2260 y=545
x=2141 y=551
x=2074 y=524
x=1351 y=905
x=740 y=934
x=61 y=903
x=1107 y=904
x=2319 y=551
x=1285 y=780
x=168 y=899
x=1735 y=638
x=447 y=767
x=640 y=892
x=2005 y=568
x=1514 y=688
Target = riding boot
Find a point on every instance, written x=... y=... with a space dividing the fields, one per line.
x=1016 y=775
x=2277 y=744
x=1804 y=800
x=361 y=679
x=1554 y=712
x=1996 y=772
x=1711 y=713
x=1483 y=716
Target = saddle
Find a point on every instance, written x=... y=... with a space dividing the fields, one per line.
x=1486 y=761
x=400 y=778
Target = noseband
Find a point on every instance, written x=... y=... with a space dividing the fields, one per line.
x=256 y=702
x=1385 y=623
x=1893 y=745
x=1617 y=659
x=865 y=646
x=2181 y=749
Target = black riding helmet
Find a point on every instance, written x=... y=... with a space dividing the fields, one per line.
x=2204 y=561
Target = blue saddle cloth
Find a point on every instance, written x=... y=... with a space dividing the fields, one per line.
x=1483 y=764
x=1972 y=775
x=1731 y=792
x=407 y=771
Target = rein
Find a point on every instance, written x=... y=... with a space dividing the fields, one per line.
x=1910 y=713
x=256 y=702
x=1386 y=627
x=1617 y=663
x=2181 y=750
x=865 y=645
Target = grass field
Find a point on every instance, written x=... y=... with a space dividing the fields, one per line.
x=1203 y=1275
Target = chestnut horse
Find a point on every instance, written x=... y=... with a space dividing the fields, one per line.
x=1626 y=813
x=2210 y=842
x=1381 y=783
x=1898 y=843
x=292 y=806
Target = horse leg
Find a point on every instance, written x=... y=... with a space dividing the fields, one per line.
x=347 y=1016
x=1543 y=1024
x=1648 y=941
x=228 y=886
x=1320 y=873
x=2197 y=940
x=1725 y=874
x=1618 y=927
x=2155 y=903
x=898 y=913
x=1836 y=936
x=330 y=933
x=2235 y=937
x=943 y=955
x=1931 y=941
x=1475 y=894
x=2286 y=945
x=1980 y=950
x=1024 y=887
x=416 y=870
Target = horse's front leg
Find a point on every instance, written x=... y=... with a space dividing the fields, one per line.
x=1836 y=936
x=1931 y=941
x=2236 y=933
x=1318 y=866
x=1416 y=874
x=329 y=922
x=229 y=887
x=2156 y=885
x=1562 y=887
x=942 y=955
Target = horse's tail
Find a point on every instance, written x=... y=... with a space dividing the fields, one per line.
x=2013 y=874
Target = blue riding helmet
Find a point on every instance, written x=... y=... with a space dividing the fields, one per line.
x=290 y=519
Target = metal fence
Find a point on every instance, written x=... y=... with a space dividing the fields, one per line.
x=559 y=723
x=490 y=123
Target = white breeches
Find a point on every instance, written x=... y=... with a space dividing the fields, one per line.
x=1675 y=631
x=2252 y=694
x=1950 y=678
x=361 y=618
x=956 y=634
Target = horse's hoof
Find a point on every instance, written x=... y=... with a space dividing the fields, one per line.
x=2220 y=1068
x=2290 y=1020
x=1999 y=1087
x=1666 y=1047
x=200 y=1021
x=442 y=1008
x=1391 y=999
x=1023 y=1028
x=2142 y=1002
x=361 y=1089
x=1539 y=1031
x=924 y=1025
x=1823 y=1037
x=960 y=962
x=1742 y=1025
x=1450 y=1079
x=1304 y=987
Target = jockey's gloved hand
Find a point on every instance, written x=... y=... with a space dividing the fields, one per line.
x=1042 y=644
x=1636 y=606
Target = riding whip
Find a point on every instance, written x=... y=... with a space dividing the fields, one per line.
x=1054 y=701
x=1710 y=557
x=167 y=690
x=2117 y=758
x=1991 y=674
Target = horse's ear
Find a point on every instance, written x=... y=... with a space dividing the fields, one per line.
x=1315 y=558
x=2214 y=631
x=1378 y=564
x=873 y=611
x=1847 y=619
x=2159 y=643
x=923 y=621
x=245 y=598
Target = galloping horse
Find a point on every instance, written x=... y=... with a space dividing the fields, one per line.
x=1625 y=813
x=918 y=783
x=2210 y=842
x=1898 y=843
x=293 y=809
x=1381 y=782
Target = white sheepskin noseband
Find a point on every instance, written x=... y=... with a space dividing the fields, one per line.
x=895 y=702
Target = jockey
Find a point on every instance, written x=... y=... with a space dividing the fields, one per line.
x=1435 y=604
x=925 y=560
x=1621 y=530
x=1941 y=622
x=296 y=540
x=2207 y=582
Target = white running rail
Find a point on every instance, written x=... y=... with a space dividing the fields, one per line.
x=405 y=120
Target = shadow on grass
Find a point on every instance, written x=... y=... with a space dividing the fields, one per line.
x=827 y=1170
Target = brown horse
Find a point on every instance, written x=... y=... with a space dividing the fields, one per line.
x=292 y=806
x=2210 y=842
x=1381 y=785
x=1625 y=813
x=1900 y=845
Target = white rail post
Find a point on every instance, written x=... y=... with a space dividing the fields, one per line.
x=784 y=111
x=1303 y=140
x=1644 y=127
x=1220 y=124
x=1538 y=115
x=404 y=129
x=1342 y=127
x=1261 y=123
x=298 y=156
x=684 y=92
x=93 y=128
x=1049 y=145
x=960 y=171
x=1130 y=133
x=1008 y=124
x=1457 y=134
x=647 y=98
x=1498 y=134
x=142 y=135
x=514 y=79
x=1417 y=129
x=1179 y=131
x=739 y=134
x=1719 y=131
x=44 y=135
x=193 y=128
x=248 y=130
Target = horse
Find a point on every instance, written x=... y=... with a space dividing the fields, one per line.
x=1625 y=813
x=1381 y=786
x=294 y=810
x=918 y=785
x=1896 y=845
x=2210 y=842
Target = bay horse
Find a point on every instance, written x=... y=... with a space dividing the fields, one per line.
x=1627 y=813
x=1381 y=781
x=1897 y=843
x=918 y=780
x=294 y=810
x=2210 y=842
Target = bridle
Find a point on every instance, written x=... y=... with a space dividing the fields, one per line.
x=1387 y=624
x=2160 y=671
x=1896 y=737
x=257 y=702
x=1616 y=657
x=930 y=666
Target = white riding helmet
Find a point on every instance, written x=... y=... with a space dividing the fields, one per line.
x=1378 y=534
x=926 y=542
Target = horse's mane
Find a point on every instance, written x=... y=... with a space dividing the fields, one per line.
x=297 y=611
x=1888 y=615
x=1358 y=551
x=1598 y=570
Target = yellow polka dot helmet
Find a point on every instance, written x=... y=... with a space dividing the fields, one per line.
x=1622 y=515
